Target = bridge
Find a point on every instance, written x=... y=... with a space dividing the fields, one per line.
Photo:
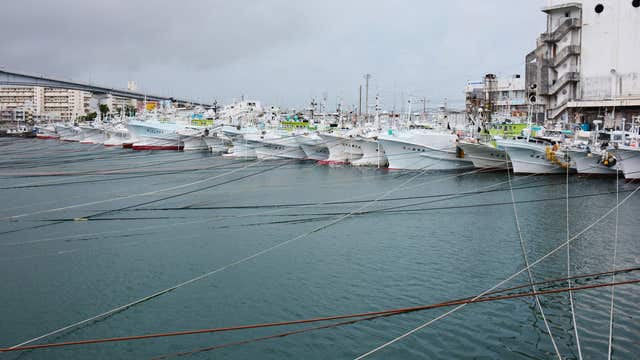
x=8 y=78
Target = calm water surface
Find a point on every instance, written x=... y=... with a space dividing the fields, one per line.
x=147 y=231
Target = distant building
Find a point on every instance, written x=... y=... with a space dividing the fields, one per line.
x=132 y=85
x=587 y=63
x=504 y=97
x=58 y=104
x=40 y=101
x=117 y=104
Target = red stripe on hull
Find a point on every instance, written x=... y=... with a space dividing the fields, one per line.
x=68 y=140
x=127 y=145
x=155 y=147
x=332 y=162
x=46 y=137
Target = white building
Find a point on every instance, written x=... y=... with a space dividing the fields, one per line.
x=504 y=97
x=588 y=62
x=51 y=102
x=116 y=104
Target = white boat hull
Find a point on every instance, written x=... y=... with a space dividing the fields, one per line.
x=117 y=137
x=242 y=149
x=286 y=147
x=216 y=144
x=154 y=143
x=589 y=163
x=372 y=154
x=342 y=150
x=629 y=159
x=193 y=143
x=69 y=133
x=313 y=147
x=315 y=152
x=91 y=135
x=529 y=158
x=48 y=132
x=485 y=156
x=154 y=137
x=406 y=156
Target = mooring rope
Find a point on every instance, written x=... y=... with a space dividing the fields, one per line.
x=613 y=266
x=210 y=273
x=526 y=263
x=573 y=312
x=511 y=277
x=396 y=311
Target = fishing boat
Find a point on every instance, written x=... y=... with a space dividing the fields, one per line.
x=343 y=148
x=422 y=149
x=152 y=135
x=217 y=142
x=313 y=146
x=70 y=132
x=46 y=132
x=629 y=160
x=483 y=151
x=590 y=154
x=272 y=145
x=241 y=148
x=485 y=155
x=372 y=152
x=192 y=139
x=588 y=161
x=533 y=156
x=92 y=134
x=117 y=135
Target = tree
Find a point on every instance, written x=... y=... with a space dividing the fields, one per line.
x=104 y=110
x=130 y=110
x=88 y=117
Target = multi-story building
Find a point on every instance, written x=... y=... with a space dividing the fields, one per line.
x=117 y=104
x=586 y=66
x=504 y=98
x=60 y=104
x=24 y=98
x=51 y=102
x=65 y=104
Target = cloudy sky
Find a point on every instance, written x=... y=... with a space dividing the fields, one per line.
x=278 y=51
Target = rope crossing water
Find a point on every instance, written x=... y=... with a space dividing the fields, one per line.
x=389 y=312
x=223 y=268
x=506 y=280
x=573 y=311
x=529 y=270
x=613 y=265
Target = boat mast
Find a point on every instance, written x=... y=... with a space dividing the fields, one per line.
x=378 y=127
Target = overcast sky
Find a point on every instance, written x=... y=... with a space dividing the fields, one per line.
x=277 y=51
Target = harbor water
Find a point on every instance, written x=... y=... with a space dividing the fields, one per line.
x=86 y=229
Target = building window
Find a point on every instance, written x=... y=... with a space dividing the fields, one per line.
x=599 y=8
x=567 y=14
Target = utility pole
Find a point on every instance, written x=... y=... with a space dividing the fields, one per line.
x=366 y=96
